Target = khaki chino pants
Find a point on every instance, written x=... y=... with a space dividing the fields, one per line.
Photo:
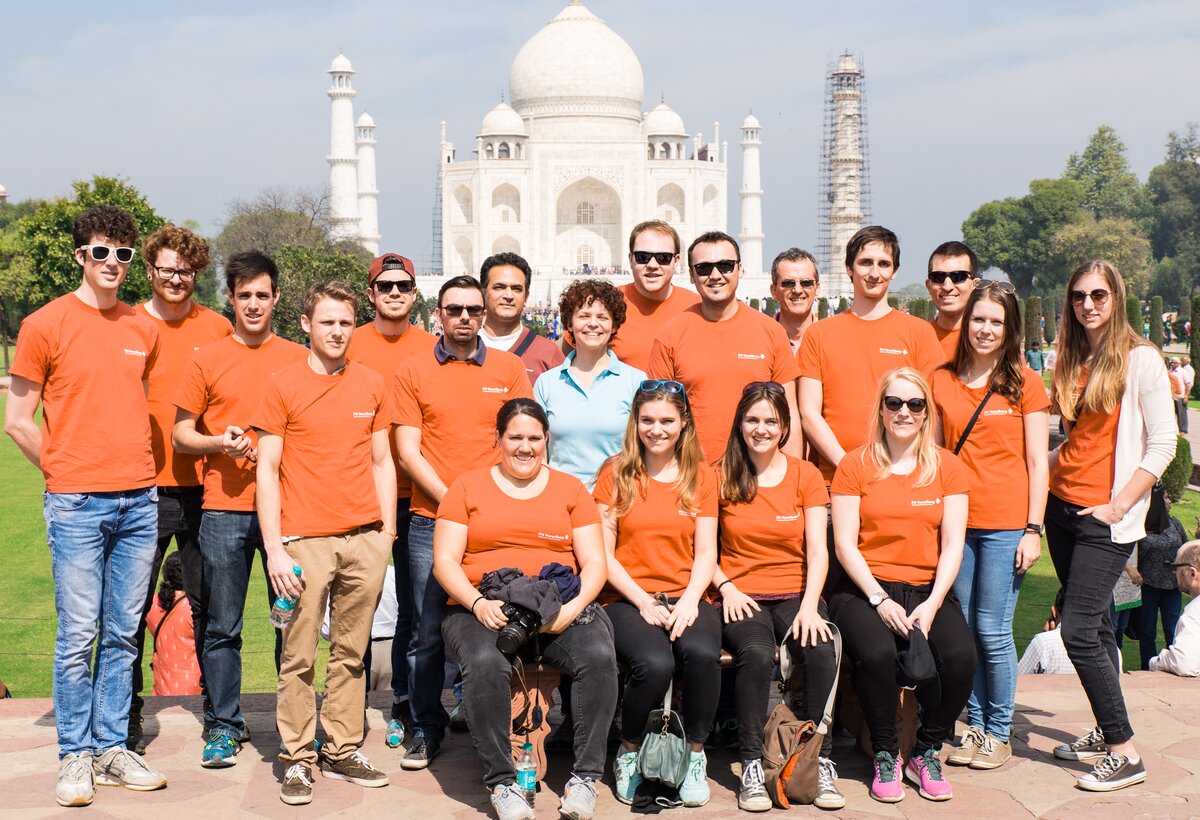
x=347 y=571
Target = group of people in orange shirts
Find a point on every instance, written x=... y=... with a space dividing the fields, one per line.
x=685 y=474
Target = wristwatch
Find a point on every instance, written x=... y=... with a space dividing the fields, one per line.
x=1036 y=529
x=877 y=599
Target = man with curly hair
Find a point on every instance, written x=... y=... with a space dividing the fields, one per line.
x=174 y=258
x=86 y=358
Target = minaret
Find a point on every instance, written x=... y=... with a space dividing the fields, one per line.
x=751 y=237
x=343 y=172
x=846 y=176
x=368 y=194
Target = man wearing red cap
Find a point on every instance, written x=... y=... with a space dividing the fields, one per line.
x=383 y=344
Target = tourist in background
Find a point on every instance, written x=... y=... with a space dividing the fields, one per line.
x=1182 y=657
x=1111 y=390
x=993 y=414
x=1157 y=578
x=169 y=621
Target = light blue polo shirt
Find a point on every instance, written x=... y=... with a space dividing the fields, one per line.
x=586 y=426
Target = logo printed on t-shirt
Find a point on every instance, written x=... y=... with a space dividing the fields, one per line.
x=688 y=514
x=754 y=356
x=495 y=389
x=363 y=414
x=891 y=351
x=1007 y=412
x=552 y=537
x=783 y=519
x=926 y=502
x=141 y=353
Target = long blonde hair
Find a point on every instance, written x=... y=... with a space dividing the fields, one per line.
x=928 y=459
x=1106 y=378
x=629 y=465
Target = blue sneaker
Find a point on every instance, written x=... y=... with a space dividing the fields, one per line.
x=220 y=752
x=627 y=776
x=694 y=791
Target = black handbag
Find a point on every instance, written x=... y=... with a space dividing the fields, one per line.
x=1157 y=518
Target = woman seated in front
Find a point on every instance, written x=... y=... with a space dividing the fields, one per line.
x=525 y=515
x=899 y=520
x=659 y=504
x=773 y=566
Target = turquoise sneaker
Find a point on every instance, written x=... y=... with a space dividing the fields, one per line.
x=220 y=752
x=627 y=776
x=695 y=792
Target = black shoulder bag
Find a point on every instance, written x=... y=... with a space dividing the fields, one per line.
x=971 y=424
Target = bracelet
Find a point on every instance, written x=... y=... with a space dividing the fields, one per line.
x=475 y=602
x=723 y=583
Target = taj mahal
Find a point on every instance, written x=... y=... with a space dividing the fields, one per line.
x=562 y=170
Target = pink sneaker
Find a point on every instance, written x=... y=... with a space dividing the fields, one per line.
x=925 y=770
x=886 y=786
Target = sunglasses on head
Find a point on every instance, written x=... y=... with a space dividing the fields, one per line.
x=956 y=276
x=1003 y=287
x=773 y=387
x=100 y=252
x=894 y=403
x=705 y=269
x=665 y=385
x=1099 y=296
x=661 y=257
x=398 y=285
x=792 y=284
x=454 y=311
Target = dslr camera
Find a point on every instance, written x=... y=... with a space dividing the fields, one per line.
x=522 y=624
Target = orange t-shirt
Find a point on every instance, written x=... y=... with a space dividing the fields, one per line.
x=176 y=669
x=455 y=405
x=716 y=360
x=948 y=339
x=385 y=354
x=762 y=541
x=177 y=341
x=643 y=319
x=525 y=533
x=655 y=538
x=95 y=419
x=223 y=385
x=899 y=534
x=850 y=356
x=1083 y=474
x=325 y=476
x=994 y=455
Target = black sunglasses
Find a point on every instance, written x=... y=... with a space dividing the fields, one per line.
x=454 y=311
x=790 y=284
x=956 y=276
x=1098 y=295
x=661 y=257
x=398 y=285
x=705 y=269
x=773 y=387
x=665 y=385
x=894 y=403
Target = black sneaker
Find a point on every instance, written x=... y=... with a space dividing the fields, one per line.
x=1112 y=772
x=1083 y=748
x=422 y=750
x=135 y=741
x=458 y=718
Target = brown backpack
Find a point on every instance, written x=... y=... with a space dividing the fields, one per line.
x=531 y=710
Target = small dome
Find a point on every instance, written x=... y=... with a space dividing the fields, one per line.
x=502 y=121
x=663 y=121
x=365 y=121
x=341 y=64
x=3 y=191
x=846 y=65
x=751 y=121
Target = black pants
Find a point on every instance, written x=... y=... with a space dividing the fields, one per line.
x=752 y=643
x=871 y=649
x=651 y=657
x=1088 y=563
x=585 y=651
x=178 y=518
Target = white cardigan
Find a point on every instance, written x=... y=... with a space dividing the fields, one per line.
x=1147 y=433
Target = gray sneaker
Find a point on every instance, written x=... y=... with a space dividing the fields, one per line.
x=354 y=769
x=579 y=799
x=828 y=796
x=752 y=793
x=1083 y=748
x=76 y=783
x=120 y=767
x=1112 y=772
x=297 y=785
x=510 y=804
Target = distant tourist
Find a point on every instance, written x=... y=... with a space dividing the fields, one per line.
x=1182 y=657
x=176 y=669
x=1034 y=358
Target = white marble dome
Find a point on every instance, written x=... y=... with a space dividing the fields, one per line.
x=663 y=121
x=366 y=121
x=341 y=63
x=751 y=121
x=576 y=62
x=846 y=65
x=502 y=121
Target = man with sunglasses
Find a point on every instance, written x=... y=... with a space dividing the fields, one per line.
x=953 y=274
x=795 y=286
x=1182 y=656
x=650 y=299
x=220 y=388
x=174 y=258
x=506 y=278
x=86 y=358
x=383 y=344
x=719 y=346
x=446 y=402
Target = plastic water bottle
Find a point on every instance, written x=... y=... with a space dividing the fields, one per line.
x=281 y=610
x=394 y=734
x=527 y=774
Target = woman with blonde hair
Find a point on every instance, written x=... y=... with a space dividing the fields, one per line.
x=1111 y=389
x=899 y=520
x=658 y=502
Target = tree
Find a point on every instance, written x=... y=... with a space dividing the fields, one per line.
x=772 y=307
x=1156 y=322
x=273 y=220
x=893 y=301
x=1033 y=320
x=754 y=303
x=1117 y=240
x=822 y=308
x=1171 y=280
x=302 y=267
x=45 y=239
x=1133 y=311
x=1110 y=189
x=843 y=305
x=1184 y=147
x=1179 y=472
x=1051 y=326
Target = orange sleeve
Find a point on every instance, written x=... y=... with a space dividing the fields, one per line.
x=384 y=415
x=583 y=508
x=809 y=356
x=406 y=408
x=955 y=480
x=707 y=500
x=1034 y=397
x=662 y=364
x=32 y=360
x=810 y=487
x=929 y=355
x=847 y=480
x=191 y=394
x=454 y=503
x=602 y=492
x=272 y=413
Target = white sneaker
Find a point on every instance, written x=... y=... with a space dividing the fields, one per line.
x=627 y=776
x=510 y=804
x=752 y=794
x=76 y=783
x=120 y=767
x=828 y=796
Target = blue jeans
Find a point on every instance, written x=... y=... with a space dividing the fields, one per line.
x=426 y=651
x=229 y=541
x=101 y=549
x=987 y=587
x=1155 y=600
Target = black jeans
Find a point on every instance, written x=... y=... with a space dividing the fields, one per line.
x=1088 y=563
x=178 y=518
x=585 y=651
x=404 y=601
x=752 y=643
x=651 y=657
x=871 y=648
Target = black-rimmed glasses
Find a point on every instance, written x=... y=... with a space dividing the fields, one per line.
x=167 y=274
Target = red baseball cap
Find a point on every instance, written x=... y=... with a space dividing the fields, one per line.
x=390 y=261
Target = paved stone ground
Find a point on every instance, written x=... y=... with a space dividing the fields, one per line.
x=1050 y=709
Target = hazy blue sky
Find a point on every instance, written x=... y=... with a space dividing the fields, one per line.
x=966 y=101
